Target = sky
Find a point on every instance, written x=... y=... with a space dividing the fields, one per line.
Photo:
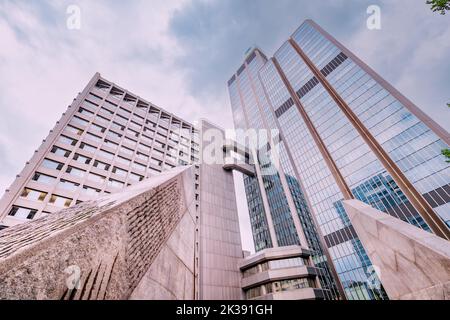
x=180 y=54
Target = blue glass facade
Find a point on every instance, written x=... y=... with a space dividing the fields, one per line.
x=258 y=221
x=255 y=109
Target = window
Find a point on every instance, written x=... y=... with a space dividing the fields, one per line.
x=111 y=144
x=155 y=161
x=251 y=271
x=82 y=159
x=122 y=117
x=67 y=140
x=150 y=123
x=164 y=120
x=161 y=136
x=154 y=114
x=43 y=178
x=102 y=85
x=79 y=121
x=123 y=160
x=35 y=195
x=96 y=177
x=136 y=124
x=184 y=148
x=159 y=144
x=93 y=137
x=60 y=201
x=85 y=112
x=60 y=152
x=115 y=183
x=138 y=117
x=88 y=147
x=98 y=128
x=128 y=113
x=144 y=147
x=149 y=131
x=74 y=130
x=126 y=150
x=269 y=287
x=154 y=171
x=22 y=213
x=114 y=135
x=129 y=99
x=107 y=110
x=146 y=139
x=130 y=141
x=106 y=154
x=75 y=172
x=91 y=191
x=293 y=284
x=132 y=132
x=136 y=177
x=163 y=130
x=117 y=126
x=287 y=263
x=95 y=98
x=170 y=157
x=50 y=164
x=68 y=185
x=253 y=293
x=174 y=137
x=184 y=140
x=119 y=171
x=168 y=166
x=102 y=119
x=142 y=156
x=158 y=152
x=101 y=165
x=110 y=104
x=139 y=166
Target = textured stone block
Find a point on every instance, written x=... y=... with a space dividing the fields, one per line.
x=138 y=243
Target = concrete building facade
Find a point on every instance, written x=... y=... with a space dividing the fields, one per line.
x=107 y=139
x=110 y=140
x=283 y=273
x=342 y=132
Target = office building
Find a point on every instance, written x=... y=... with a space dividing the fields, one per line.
x=107 y=139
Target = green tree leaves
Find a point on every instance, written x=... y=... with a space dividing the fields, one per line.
x=440 y=6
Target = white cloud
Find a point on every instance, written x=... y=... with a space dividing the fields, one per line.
x=410 y=51
x=44 y=65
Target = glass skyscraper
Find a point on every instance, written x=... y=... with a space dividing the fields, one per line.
x=343 y=133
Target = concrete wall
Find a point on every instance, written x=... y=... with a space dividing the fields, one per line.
x=220 y=240
x=138 y=244
x=411 y=263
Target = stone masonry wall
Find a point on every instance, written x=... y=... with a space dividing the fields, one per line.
x=114 y=244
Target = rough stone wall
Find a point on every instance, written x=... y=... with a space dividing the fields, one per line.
x=220 y=239
x=411 y=263
x=115 y=242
